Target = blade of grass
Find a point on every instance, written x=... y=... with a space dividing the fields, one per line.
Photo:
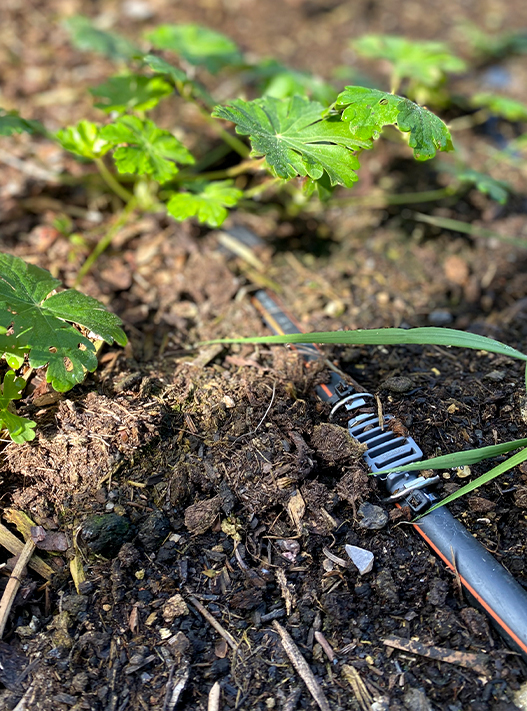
x=459 y=459
x=510 y=463
x=390 y=336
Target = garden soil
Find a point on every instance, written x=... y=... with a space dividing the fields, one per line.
x=196 y=485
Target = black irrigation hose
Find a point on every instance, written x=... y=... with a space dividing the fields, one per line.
x=487 y=583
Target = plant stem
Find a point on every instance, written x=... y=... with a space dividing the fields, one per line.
x=458 y=226
x=112 y=182
x=397 y=198
x=464 y=122
x=237 y=146
x=105 y=242
x=261 y=188
x=245 y=166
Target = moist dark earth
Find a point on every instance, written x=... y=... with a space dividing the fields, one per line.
x=197 y=483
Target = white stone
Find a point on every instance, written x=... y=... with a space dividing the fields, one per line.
x=361 y=558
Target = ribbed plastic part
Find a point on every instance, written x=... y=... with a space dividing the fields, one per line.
x=386 y=449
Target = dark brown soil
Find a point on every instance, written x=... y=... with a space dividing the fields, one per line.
x=233 y=489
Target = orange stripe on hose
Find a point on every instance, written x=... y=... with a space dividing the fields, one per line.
x=473 y=592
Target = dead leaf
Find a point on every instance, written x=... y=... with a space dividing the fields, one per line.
x=296 y=508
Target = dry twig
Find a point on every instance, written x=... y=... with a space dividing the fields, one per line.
x=214 y=622
x=328 y=649
x=14 y=583
x=302 y=667
x=15 y=546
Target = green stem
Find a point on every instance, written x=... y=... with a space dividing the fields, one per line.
x=448 y=223
x=464 y=122
x=245 y=166
x=261 y=188
x=105 y=242
x=237 y=146
x=111 y=181
x=396 y=199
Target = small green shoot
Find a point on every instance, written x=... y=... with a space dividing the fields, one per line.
x=208 y=202
x=422 y=63
x=20 y=429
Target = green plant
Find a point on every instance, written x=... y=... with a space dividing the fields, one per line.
x=36 y=326
x=422 y=336
x=422 y=65
x=291 y=136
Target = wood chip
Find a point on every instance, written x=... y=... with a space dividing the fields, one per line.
x=477 y=662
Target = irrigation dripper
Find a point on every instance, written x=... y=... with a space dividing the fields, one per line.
x=487 y=584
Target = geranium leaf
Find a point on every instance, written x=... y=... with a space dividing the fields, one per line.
x=84 y=140
x=367 y=111
x=498 y=190
x=131 y=91
x=148 y=149
x=39 y=321
x=296 y=138
x=87 y=37
x=509 y=109
x=422 y=62
x=209 y=205
x=11 y=122
x=197 y=45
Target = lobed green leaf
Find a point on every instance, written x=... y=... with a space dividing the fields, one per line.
x=87 y=37
x=421 y=62
x=296 y=138
x=38 y=319
x=198 y=45
x=131 y=91
x=367 y=111
x=83 y=140
x=209 y=205
x=149 y=150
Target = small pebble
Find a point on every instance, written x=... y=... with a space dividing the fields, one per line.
x=361 y=558
x=440 y=317
x=398 y=384
x=374 y=518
